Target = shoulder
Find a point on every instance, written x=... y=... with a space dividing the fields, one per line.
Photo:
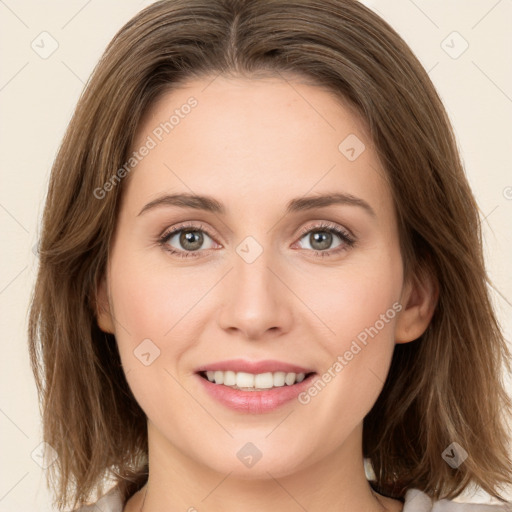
x=418 y=501
x=110 y=502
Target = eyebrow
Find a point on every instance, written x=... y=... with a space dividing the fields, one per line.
x=209 y=204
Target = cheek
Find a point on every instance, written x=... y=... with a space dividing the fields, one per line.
x=362 y=311
x=150 y=300
x=360 y=298
x=366 y=305
x=151 y=306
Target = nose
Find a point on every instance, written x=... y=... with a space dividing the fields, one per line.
x=256 y=301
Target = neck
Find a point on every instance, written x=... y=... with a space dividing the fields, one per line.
x=178 y=483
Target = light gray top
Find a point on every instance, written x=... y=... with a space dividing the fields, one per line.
x=415 y=501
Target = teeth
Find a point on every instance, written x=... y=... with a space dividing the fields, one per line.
x=279 y=378
x=290 y=379
x=244 y=380
x=250 y=381
x=264 y=380
x=229 y=378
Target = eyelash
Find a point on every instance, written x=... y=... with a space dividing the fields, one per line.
x=347 y=239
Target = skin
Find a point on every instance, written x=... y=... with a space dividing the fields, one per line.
x=254 y=144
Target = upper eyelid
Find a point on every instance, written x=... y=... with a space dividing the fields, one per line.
x=185 y=226
x=327 y=225
x=189 y=225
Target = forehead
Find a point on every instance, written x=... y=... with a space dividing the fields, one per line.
x=228 y=103
x=261 y=138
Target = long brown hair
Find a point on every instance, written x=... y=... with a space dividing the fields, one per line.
x=444 y=387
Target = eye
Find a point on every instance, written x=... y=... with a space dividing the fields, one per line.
x=320 y=239
x=189 y=240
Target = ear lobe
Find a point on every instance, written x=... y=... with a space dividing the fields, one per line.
x=419 y=297
x=103 y=314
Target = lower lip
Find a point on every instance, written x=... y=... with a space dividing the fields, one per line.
x=254 y=402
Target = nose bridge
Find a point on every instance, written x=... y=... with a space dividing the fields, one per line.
x=256 y=300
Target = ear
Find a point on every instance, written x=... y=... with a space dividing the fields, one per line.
x=419 y=299
x=103 y=313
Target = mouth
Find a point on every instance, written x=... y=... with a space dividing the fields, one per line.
x=254 y=393
x=254 y=387
x=244 y=381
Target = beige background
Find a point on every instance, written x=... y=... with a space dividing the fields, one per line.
x=37 y=98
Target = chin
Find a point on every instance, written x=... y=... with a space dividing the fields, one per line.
x=253 y=461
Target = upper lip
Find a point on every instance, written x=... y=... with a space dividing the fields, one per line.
x=256 y=367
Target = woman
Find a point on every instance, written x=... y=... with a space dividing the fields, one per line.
x=261 y=266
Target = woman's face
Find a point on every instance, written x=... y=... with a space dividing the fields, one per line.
x=258 y=274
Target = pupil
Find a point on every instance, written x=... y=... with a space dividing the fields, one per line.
x=324 y=238
x=194 y=238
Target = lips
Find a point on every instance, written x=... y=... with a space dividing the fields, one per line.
x=255 y=367
x=254 y=387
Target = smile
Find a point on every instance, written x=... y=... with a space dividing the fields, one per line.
x=253 y=387
x=250 y=382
